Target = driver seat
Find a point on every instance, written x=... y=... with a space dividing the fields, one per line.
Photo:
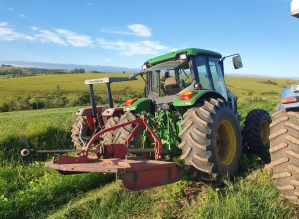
x=171 y=86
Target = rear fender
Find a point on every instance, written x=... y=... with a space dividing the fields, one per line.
x=141 y=105
x=183 y=105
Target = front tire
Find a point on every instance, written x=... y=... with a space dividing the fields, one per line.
x=284 y=152
x=211 y=139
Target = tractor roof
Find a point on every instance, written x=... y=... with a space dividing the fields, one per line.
x=190 y=51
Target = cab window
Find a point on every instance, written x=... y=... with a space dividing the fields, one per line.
x=201 y=63
x=217 y=76
x=155 y=82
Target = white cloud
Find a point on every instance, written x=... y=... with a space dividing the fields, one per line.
x=3 y=23
x=154 y=44
x=88 y=3
x=63 y=37
x=9 y=34
x=10 y=9
x=132 y=48
x=136 y=29
x=75 y=39
x=107 y=60
x=34 y=28
x=59 y=36
x=140 y=30
x=47 y=36
x=21 y=15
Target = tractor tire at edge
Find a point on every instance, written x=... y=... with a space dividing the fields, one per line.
x=284 y=152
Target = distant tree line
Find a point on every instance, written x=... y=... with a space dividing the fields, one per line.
x=268 y=82
x=31 y=71
x=3 y=65
x=78 y=70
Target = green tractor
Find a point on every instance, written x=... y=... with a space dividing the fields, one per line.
x=186 y=112
x=189 y=108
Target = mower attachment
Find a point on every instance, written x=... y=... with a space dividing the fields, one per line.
x=134 y=173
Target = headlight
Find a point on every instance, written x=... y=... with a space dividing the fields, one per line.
x=183 y=56
x=144 y=67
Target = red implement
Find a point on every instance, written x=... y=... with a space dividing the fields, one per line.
x=134 y=174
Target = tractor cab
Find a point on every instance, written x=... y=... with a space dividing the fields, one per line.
x=176 y=76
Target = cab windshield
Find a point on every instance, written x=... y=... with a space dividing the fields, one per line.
x=171 y=81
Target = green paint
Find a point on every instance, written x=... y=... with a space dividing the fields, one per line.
x=195 y=98
x=183 y=105
x=141 y=105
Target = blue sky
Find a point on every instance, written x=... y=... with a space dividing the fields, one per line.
x=126 y=33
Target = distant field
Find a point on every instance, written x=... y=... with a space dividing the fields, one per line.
x=244 y=85
x=68 y=85
x=71 y=85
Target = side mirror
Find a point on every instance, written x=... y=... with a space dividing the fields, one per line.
x=237 y=61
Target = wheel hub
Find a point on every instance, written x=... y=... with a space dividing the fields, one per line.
x=226 y=142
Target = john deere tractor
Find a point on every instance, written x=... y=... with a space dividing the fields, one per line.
x=189 y=108
x=186 y=112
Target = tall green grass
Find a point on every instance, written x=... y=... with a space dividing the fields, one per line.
x=30 y=192
x=36 y=190
x=254 y=197
x=44 y=129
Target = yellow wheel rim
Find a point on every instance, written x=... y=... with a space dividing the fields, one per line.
x=226 y=142
x=265 y=132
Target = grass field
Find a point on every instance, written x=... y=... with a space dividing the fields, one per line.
x=67 y=85
x=70 y=86
x=39 y=192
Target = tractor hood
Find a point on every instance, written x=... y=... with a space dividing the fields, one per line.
x=170 y=65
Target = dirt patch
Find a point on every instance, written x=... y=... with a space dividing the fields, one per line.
x=193 y=190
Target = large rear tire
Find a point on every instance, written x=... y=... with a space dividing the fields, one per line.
x=284 y=152
x=80 y=123
x=211 y=139
x=108 y=137
x=121 y=134
x=256 y=131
